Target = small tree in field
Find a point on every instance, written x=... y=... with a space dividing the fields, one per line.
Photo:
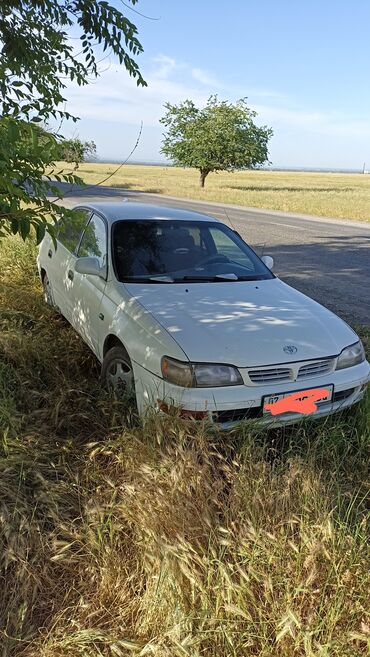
x=219 y=137
x=76 y=150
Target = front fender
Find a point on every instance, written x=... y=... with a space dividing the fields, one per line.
x=144 y=338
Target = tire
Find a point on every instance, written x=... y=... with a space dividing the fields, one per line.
x=48 y=292
x=117 y=375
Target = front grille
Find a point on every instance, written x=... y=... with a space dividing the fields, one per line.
x=237 y=414
x=271 y=375
x=282 y=374
x=315 y=369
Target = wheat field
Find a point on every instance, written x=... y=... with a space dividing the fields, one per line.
x=337 y=195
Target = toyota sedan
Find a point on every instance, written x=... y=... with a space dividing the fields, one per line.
x=182 y=314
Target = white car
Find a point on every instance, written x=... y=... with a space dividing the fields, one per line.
x=182 y=313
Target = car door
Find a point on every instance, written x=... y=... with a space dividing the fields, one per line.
x=86 y=291
x=57 y=260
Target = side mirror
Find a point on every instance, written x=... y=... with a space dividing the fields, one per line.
x=90 y=266
x=268 y=261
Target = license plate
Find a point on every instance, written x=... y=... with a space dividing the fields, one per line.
x=272 y=399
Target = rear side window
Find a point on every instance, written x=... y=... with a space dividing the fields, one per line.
x=94 y=240
x=71 y=229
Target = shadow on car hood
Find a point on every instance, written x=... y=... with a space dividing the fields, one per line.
x=244 y=323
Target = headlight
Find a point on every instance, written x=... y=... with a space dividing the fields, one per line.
x=211 y=376
x=352 y=355
x=199 y=375
x=181 y=374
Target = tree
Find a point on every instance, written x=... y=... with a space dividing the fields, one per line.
x=219 y=137
x=75 y=150
x=26 y=156
x=37 y=59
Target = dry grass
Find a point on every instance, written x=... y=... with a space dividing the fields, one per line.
x=323 y=194
x=164 y=539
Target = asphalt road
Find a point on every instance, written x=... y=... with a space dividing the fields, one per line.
x=326 y=259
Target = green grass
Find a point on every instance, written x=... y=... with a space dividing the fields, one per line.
x=161 y=538
x=322 y=194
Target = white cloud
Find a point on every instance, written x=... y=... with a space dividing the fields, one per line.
x=166 y=66
x=205 y=78
x=115 y=97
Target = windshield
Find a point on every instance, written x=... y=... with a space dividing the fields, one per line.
x=174 y=251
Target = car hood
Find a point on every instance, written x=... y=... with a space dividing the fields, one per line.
x=244 y=323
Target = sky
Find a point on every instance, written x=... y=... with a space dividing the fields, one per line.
x=303 y=65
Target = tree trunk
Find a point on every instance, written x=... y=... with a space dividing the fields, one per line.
x=203 y=174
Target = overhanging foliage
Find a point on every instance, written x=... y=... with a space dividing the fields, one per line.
x=37 y=60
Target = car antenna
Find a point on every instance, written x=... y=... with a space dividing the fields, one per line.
x=229 y=220
x=232 y=226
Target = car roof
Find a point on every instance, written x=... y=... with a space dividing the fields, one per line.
x=117 y=211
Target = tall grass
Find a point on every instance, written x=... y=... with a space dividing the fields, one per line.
x=163 y=538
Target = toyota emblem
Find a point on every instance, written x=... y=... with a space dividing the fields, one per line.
x=290 y=349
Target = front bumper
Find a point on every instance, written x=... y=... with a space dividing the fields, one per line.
x=228 y=406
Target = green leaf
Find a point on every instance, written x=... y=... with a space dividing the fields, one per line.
x=14 y=225
x=13 y=130
x=24 y=227
x=40 y=232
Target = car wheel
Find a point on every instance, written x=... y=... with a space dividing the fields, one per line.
x=48 y=292
x=117 y=374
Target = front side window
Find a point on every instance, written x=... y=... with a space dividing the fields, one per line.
x=174 y=251
x=70 y=229
x=94 y=240
x=227 y=246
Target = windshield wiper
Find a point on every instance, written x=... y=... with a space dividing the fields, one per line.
x=193 y=279
x=253 y=277
x=161 y=279
x=216 y=277
x=148 y=279
x=227 y=277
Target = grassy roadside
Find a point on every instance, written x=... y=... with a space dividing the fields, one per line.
x=322 y=194
x=162 y=539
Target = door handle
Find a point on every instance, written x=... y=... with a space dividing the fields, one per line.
x=70 y=274
x=50 y=253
